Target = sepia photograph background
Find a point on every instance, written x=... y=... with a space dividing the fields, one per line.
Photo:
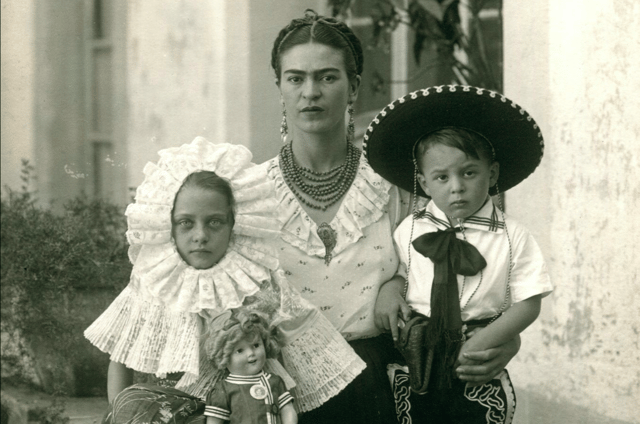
x=93 y=89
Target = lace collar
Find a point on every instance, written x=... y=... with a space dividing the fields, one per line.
x=250 y=257
x=363 y=204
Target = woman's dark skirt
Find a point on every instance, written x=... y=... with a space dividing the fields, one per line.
x=368 y=399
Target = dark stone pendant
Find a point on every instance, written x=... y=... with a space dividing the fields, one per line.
x=328 y=237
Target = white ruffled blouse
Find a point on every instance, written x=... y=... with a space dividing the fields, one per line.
x=364 y=256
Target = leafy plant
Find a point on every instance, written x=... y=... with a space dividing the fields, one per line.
x=47 y=262
x=461 y=48
x=52 y=414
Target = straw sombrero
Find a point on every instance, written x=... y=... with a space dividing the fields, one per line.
x=390 y=138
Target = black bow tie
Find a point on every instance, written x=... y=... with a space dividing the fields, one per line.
x=450 y=256
x=443 y=246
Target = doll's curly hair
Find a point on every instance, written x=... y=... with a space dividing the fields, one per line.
x=227 y=330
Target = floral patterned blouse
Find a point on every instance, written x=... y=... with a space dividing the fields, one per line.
x=363 y=258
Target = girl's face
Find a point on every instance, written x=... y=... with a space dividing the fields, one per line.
x=315 y=88
x=458 y=184
x=248 y=356
x=201 y=226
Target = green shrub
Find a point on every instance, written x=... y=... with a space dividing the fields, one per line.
x=52 y=414
x=53 y=267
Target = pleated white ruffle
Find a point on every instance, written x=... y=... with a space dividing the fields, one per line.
x=321 y=362
x=146 y=336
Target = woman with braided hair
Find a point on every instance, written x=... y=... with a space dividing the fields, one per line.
x=337 y=216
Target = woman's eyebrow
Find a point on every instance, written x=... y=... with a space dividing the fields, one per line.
x=315 y=71
x=217 y=215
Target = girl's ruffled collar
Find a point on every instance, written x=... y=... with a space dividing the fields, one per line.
x=250 y=257
x=364 y=204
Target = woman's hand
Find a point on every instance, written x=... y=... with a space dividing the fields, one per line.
x=390 y=305
x=480 y=367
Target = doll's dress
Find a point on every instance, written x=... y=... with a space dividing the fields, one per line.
x=253 y=399
x=154 y=325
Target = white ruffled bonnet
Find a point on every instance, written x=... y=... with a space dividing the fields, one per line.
x=157 y=264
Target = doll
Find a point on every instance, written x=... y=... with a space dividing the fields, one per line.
x=239 y=343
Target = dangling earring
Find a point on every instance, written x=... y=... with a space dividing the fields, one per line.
x=284 y=128
x=351 y=126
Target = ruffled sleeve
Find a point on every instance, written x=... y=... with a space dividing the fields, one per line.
x=146 y=336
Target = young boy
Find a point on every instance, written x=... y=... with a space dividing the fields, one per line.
x=478 y=275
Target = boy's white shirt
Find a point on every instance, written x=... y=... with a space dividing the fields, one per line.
x=485 y=231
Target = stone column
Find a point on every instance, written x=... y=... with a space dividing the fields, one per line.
x=576 y=67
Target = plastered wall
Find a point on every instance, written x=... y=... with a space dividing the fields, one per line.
x=17 y=88
x=203 y=68
x=175 y=86
x=576 y=67
x=42 y=78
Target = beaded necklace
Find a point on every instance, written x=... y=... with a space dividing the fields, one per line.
x=325 y=188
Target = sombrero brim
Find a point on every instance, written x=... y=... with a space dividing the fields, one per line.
x=391 y=136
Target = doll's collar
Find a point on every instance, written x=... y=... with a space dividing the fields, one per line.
x=248 y=379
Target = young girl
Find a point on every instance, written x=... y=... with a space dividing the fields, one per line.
x=200 y=231
x=476 y=276
x=240 y=342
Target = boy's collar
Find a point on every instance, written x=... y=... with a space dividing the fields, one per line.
x=486 y=219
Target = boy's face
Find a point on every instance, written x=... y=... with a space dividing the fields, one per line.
x=457 y=183
x=248 y=356
x=201 y=226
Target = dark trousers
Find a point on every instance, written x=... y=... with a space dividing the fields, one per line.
x=491 y=403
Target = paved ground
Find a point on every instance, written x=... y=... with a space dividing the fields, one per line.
x=87 y=410
x=531 y=409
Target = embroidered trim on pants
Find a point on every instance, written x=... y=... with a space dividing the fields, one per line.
x=498 y=412
x=399 y=377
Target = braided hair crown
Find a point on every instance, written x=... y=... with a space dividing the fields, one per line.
x=323 y=30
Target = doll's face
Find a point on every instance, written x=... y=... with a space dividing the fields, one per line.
x=201 y=226
x=457 y=183
x=248 y=356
